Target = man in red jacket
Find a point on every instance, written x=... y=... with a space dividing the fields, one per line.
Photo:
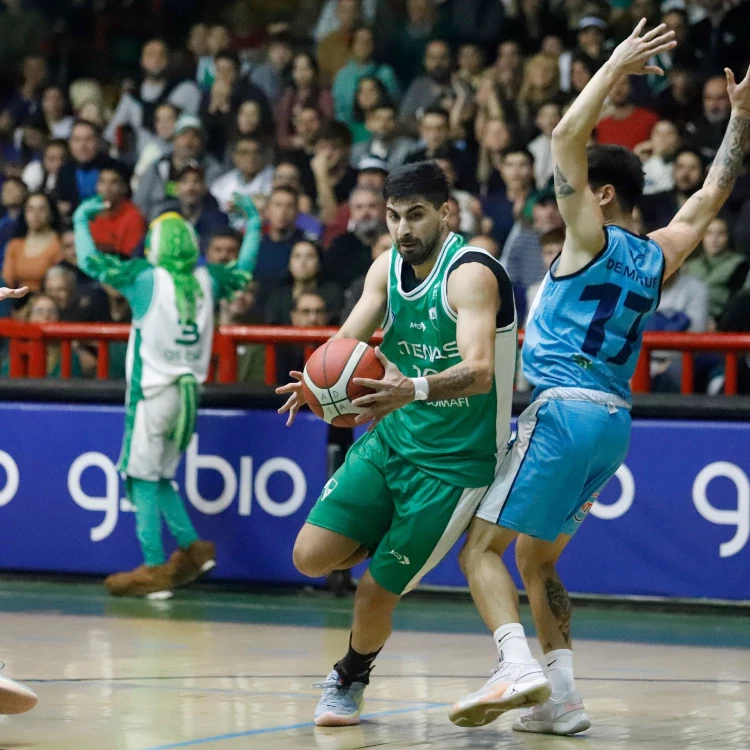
x=121 y=229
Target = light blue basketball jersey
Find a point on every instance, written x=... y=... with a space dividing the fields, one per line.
x=585 y=329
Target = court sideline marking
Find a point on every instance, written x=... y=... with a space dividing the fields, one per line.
x=285 y=728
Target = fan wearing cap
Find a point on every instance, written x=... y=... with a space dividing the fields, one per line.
x=591 y=39
x=196 y=205
x=159 y=182
x=169 y=352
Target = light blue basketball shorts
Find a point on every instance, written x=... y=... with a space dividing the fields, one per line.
x=569 y=443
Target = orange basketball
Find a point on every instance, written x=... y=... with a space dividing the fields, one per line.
x=328 y=375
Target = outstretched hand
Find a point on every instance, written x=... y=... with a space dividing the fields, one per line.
x=632 y=55
x=244 y=205
x=296 y=398
x=739 y=93
x=90 y=209
x=6 y=293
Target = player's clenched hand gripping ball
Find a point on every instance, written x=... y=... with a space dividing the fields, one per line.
x=327 y=383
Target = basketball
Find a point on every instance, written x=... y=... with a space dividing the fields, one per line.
x=328 y=375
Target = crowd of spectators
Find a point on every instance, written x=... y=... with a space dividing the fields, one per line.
x=306 y=105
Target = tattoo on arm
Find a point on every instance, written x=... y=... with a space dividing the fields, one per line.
x=453 y=383
x=559 y=602
x=562 y=187
x=728 y=161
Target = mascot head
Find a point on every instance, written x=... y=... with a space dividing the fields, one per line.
x=172 y=244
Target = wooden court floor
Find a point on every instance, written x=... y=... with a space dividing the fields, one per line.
x=228 y=671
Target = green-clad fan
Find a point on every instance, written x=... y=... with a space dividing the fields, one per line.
x=169 y=352
x=411 y=484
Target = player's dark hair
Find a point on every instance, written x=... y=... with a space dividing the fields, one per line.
x=619 y=167
x=424 y=179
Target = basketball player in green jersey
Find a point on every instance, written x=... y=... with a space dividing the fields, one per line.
x=410 y=485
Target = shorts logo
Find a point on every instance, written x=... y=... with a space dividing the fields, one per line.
x=402 y=559
x=585 y=508
x=330 y=486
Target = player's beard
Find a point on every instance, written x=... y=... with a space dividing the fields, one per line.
x=416 y=252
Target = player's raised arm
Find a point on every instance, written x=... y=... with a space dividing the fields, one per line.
x=686 y=230
x=473 y=293
x=369 y=312
x=578 y=204
x=362 y=322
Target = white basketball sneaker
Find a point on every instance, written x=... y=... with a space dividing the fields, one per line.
x=15 y=698
x=510 y=686
x=564 y=716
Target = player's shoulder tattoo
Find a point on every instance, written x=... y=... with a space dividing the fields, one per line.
x=562 y=187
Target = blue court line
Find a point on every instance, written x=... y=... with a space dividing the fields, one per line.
x=286 y=728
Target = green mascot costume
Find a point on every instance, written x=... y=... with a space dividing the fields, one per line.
x=169 y=353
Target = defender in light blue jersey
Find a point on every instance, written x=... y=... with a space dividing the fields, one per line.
x=581 y=347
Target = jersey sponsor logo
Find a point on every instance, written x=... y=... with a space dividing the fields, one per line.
x=622 y=269
x=328 y=488
x=427 y=352
x=419 y=326
x=433 y=317
x=451 y=402
x=181 y=355
x=582 y=361
x=402 y=559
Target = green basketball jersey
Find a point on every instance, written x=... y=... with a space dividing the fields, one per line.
x=456 y=440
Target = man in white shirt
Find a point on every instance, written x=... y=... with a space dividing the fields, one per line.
x=658 y=154
x=249 y=177
x=138 y=108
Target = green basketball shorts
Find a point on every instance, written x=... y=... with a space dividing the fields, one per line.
x=406 y=518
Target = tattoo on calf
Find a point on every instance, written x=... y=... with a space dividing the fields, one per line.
x=559 y=602
x=562 y=187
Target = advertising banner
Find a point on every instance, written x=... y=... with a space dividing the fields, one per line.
x=675 y=522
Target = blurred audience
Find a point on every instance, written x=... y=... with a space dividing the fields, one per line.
x=306 y=107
